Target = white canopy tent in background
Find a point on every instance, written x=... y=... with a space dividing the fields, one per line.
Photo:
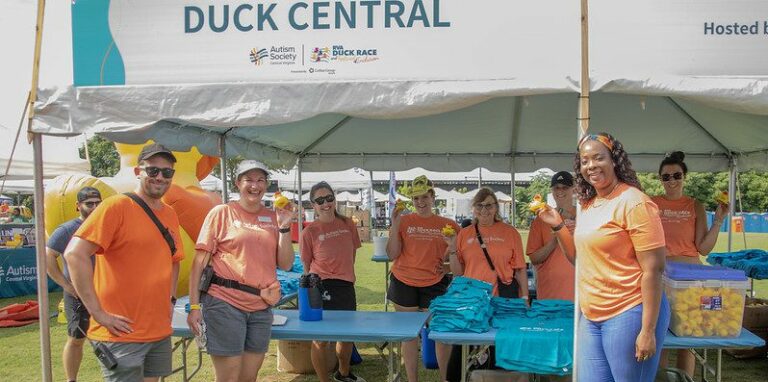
x=491 y=83
x=60 y=155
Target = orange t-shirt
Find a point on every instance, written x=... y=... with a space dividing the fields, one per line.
x=422 y=253
x=329 y=249
x=678 y=217
x=243 y=247
x=505 y=247
x=133 y=271
x=555 y=276
x=609 y=234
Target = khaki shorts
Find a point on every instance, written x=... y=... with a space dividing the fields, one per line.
x=137 y=360
x=231 y=331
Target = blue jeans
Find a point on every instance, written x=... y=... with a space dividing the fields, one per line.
x=606 y=350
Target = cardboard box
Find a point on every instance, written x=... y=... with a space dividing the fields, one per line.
x=496 y=376
x=295 y=357
x=364 y=233
x=756 y=321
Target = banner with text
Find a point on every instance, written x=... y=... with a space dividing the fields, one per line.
x=696 y=38
x=120 y=42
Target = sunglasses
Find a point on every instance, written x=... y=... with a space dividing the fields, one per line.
x=91 y=204
x=152 y=171
x=322 y=199
x=485 y=206
x=667 y=177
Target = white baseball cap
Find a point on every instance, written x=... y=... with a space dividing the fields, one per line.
x=248 y=165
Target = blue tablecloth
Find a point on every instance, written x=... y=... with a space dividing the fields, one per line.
x=746 y=340
x=337 y=325
x=18 y=273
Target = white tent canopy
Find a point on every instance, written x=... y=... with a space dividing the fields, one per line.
x=60 y=155
x=519 y=116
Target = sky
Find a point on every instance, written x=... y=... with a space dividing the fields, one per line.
x=17 y=28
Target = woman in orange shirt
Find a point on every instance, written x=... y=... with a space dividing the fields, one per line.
x=621 y=254
x=418 y=251
x=328 y=247
x=244 y=243
x=685 y=229
x=503 y=245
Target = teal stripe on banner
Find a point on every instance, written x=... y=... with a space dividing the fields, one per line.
x=96 y=57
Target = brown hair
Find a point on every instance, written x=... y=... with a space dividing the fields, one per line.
x=480 y=196
x=325 y=186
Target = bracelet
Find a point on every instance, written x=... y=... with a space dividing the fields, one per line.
x=559 y=226
x=190 y=307
x=284 y=230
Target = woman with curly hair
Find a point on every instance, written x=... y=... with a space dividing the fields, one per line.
x=685 y=227
x=621 y=254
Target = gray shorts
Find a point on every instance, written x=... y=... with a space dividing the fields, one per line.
x=137 y=360
x=231 y=331
x=78 y=318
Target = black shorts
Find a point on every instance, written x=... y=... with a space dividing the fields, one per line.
x=410 y=296
x=340 y=294
x=77 y=316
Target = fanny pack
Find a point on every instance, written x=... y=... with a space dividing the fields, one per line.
x=208 y=277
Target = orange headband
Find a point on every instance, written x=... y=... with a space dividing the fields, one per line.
x=597 y=137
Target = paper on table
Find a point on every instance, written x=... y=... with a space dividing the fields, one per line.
x=278 y=320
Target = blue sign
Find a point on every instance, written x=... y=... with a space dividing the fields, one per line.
x=18 y=273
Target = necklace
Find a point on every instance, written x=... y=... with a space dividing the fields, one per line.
x=600 y=200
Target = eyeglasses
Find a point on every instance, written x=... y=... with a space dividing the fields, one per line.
x=152 y=171
x=322 y=199
x=91 y=204
x=485 y=206
x=667 y=177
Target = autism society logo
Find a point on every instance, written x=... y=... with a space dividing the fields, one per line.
x=258 y=56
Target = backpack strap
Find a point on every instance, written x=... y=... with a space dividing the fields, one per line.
x=163 y=230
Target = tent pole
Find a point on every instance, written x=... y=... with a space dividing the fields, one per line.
x=223 y=167
x=732 y=179
x=513 y=212
x=42 y=278
x=37 y=147
x=371 y=202
x=583 y=127
x=300 y=205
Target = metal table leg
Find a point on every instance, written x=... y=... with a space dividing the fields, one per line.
x=464 y=356
x=386 y=285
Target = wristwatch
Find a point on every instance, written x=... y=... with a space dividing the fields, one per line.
x=284 y=230
x=559 y=226
x=173 y=300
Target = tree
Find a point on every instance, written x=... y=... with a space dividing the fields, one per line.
x=539 y=185
x=105 y=160
x=232 y=163
x=650 y=183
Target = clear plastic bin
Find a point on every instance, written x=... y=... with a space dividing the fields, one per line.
x=712 y=307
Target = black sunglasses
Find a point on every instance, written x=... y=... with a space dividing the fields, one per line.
x=152 y=171
x=667 y=177
x=322 y=199
x=91 y=204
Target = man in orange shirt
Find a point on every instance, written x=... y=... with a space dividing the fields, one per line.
x=130 y=292
x=554 y=272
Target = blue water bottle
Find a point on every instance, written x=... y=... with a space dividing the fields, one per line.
x=310 y=297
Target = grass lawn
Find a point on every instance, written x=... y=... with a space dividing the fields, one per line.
x=21 y=346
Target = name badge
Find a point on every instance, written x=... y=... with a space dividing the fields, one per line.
x=265 y=219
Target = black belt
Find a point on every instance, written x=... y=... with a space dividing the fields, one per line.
x=227 y=283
